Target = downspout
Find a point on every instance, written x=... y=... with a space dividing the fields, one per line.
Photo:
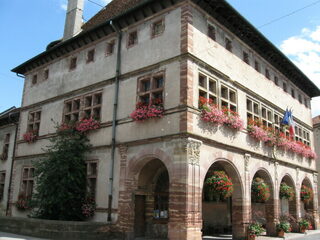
x=12 y=161
x=114 y=119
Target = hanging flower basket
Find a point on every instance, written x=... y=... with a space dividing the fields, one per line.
x=286 y=192
x=219 y=183
x=306 y=194
x=30 y=136
x=211 y=113
x=260 y=191
x=144 y=111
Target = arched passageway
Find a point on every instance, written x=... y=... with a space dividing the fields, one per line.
x=152 y=201
x=288 y=202
x=307 y=201
x=223 y=214
x=262 y=201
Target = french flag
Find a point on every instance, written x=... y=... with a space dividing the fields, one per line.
x=288 y=120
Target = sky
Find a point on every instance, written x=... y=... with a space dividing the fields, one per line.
x=27 y=27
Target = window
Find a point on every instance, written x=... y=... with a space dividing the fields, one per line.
x=208 y=88
x=276 y=80
x=293 y=93
x=306 y=102
x=90 y=56
x=132 y=38
x=5 y=149
x=267 y=73
x=27 y=181
x=161 y=196
x=151 y=88
x=211 y=32
x=34 y=119
x=157 y=28
x=302 y=135
x=34 y=79
x=299 y=98
x=2 y=182
x=110 y=47
x=253 y=111
x=46 y=74
x=228 y=44
x=246 y=57
x=86 y=106
x=266 y=116
x=257 y=66
x=73 y=63
x=284 y=86
x=92 y=167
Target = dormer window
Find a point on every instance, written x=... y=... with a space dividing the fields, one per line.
x=246 y=57
x=73 y=63
x=132 y=38
x=228 y=44
x=211 y=32
x=90 y=56
x=34 y=79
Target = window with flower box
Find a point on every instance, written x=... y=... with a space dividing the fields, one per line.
x=302 y=135
x=5 y=150
x=27 y=181
x=34 y=119
x=219 y=93
x=151 y=88
x=83 y=107
x=92 y=167
x=253 y=110
x=2 y=182
x=266 y=117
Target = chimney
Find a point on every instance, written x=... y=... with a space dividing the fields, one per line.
x=73 y=19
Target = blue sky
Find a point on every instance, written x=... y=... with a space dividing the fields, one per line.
x=28 y=26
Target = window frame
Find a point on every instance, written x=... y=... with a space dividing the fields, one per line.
x=73 y=63
x=90 y=55
x=153 y=32
x=152 y=90
x=110 y=43
x=228 y=44
x=34 y=122
x=2 y=184
x=6 y=145
x=26 y=190
x=136 y=40
x=34 y=79
x=211 y=32
x=89 y=177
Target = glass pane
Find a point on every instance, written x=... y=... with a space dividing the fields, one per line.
x=202 y=81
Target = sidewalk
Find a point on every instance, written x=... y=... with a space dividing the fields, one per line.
x=290 y=235
x=11 y=236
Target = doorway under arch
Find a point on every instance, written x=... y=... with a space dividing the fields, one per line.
x=223 y=215
x=152 y=201
x=307 y=206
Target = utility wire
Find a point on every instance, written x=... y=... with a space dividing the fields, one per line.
x=96 y=3
x=289 y=14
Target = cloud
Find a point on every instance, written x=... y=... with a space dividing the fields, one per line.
x=304 y=51
x=64 y=6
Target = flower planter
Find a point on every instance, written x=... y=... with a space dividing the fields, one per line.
x=252 y=237
x=281 y=233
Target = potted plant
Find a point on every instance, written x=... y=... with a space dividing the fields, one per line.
x=283 y=227
x=254 y=229
x=286 y=192
x=220 y=184
x=304 y=225
x=306 y=194
x=260 y=191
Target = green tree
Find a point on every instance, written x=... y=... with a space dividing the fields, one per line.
x=61 y=177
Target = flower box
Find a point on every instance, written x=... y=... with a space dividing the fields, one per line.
x=145 y=111
x=23 y=202
x=30 y=136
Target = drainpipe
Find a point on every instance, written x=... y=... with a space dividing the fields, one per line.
x=114 y=119
x=12 y=161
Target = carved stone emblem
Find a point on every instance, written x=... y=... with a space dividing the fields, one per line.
x=193 y=151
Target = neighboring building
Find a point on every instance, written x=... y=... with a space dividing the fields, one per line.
x=148 y=177
x=316 y=130
x=9 y=120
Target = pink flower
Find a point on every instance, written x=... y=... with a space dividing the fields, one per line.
x=85 y=125
x=144 y=111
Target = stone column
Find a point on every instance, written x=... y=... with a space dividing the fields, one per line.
x=185 y=220
x=315 y=202
x=298 y=202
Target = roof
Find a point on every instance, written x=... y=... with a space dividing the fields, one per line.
x=114 y=8
x=127 y=12
x=316 y=120
x=10 y=115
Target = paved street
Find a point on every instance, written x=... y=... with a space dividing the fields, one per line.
x=10 y=236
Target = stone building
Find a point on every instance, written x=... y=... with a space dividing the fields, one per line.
x=316 y=130
x=149 y=176
x=9 y=120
